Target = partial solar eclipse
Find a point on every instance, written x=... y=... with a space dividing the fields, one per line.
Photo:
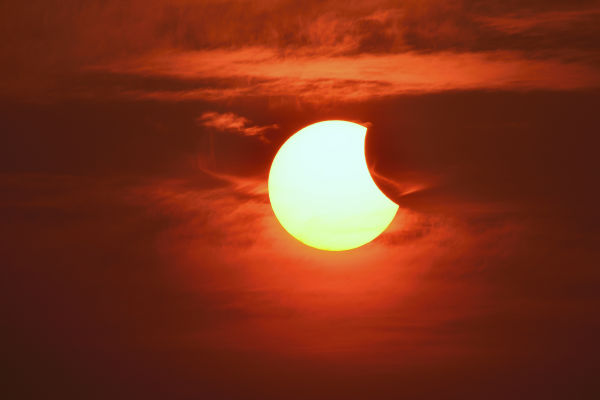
x=322 y=192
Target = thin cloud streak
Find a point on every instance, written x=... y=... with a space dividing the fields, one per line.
x=263 y=72
x=555 y=20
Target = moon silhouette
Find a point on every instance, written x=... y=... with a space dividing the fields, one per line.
x=321 y=189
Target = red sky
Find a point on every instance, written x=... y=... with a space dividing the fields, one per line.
x=141 y=257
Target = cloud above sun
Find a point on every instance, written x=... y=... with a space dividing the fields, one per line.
x=315 y=53
x=230 y=122
x=251 y=72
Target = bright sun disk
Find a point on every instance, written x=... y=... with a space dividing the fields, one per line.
x=322 y=192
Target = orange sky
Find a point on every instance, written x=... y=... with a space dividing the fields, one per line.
x=141 y=255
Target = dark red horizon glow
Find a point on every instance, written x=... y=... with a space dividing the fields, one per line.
x=140 y=253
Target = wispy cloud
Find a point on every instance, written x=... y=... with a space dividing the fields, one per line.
x=263 y=72
x=230 y=122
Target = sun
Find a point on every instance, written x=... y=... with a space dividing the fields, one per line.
x=321 y=189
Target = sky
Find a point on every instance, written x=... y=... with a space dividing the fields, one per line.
x=140 y=254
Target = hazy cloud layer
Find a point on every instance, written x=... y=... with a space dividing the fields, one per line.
x=395 y=48
x=193 y=276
